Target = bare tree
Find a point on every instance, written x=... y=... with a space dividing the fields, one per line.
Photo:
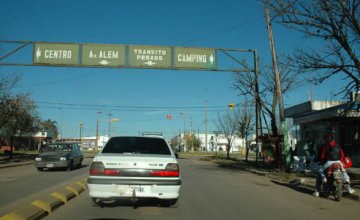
x=245 y=125
x=245 y=84
x=267 y=98
x=227 y=123
x=337 y=24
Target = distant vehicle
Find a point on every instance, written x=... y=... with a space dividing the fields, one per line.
x=59 y=155
x=135 y=168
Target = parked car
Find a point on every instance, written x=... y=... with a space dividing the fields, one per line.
x=59 y=155
x=135 y=168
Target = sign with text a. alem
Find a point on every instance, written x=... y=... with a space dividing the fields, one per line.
x=103 y=55
x=56 y=54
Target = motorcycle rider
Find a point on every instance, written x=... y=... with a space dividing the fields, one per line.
x=331 y=153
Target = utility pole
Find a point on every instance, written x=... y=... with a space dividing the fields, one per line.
x=277 y=83
x=206 y=125
x=183 y=114
x=257 y=105
x=97 y=131
x=275 y=63
x=109 y=123
x=81 y=127
x=191 y=135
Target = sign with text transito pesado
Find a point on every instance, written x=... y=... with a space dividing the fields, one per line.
x=103 y=55
x=194 y=58
x=56 y=54
x=150 y=56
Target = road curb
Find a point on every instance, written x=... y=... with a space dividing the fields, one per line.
x=16 y=164
x=47 y=203
x=302 y=181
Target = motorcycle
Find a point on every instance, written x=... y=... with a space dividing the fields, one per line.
x=335 y=184
x=335 y=181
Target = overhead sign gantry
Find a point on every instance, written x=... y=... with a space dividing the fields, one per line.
x=132 y=56
x=124 y=56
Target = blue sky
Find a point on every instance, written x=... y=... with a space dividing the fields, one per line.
x=140 y=98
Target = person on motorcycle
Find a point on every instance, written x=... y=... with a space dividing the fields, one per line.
x=331 y=153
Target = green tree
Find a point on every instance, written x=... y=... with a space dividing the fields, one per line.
x=193 y=142
x=17 y=112
x=50 y=127
x=21 y=118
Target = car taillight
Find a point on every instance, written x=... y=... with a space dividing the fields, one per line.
x=171 y=170
x=98 y=169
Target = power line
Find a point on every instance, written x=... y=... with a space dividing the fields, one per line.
x=123 y=107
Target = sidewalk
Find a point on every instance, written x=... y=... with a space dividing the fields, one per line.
x=303 y=182
x=17 y=160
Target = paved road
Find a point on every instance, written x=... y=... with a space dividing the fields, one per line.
x=211 y=192
x=23 y=184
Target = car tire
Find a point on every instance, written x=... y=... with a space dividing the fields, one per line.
x=70 y=166
x=80 y=163
x=173 y=203
x=40 y=169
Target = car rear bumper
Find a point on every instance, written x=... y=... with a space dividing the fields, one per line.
x=52 y=164
x=103 y=188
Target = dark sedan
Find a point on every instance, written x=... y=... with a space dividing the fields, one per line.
x=59 y=155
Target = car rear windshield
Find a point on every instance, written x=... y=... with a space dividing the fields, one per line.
x=137 y=145
x=57 y=147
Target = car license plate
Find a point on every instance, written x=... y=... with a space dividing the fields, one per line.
x=337 y=174
x=136 y=188
x=128 y=190
x=49 y=165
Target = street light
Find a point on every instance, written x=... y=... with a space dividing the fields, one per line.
x=97 y=131
x=231 y=106
x=110 y=121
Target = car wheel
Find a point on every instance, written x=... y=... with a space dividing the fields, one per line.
x=70 y=166
x=80 y=163
x=174 y=203
x=40 y=169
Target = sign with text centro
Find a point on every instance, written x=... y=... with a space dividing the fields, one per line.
x=150 y=56
x=194 y=58
x=56 y=54
x=103 y=55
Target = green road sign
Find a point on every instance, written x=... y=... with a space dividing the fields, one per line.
x=194 y=58
x=103 y=55
x=150 y=56
x=56 y=54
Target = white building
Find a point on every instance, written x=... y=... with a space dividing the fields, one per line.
x=215 y=142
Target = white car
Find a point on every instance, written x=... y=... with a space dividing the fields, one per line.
x=135 y=167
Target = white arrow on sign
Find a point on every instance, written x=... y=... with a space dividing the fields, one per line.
x=212 y=59
x=150 y=63
x=104 y=62
x=38 y=53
